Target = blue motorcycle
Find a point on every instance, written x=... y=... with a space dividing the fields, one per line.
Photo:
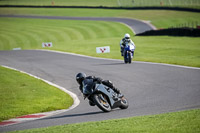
x=128 y=52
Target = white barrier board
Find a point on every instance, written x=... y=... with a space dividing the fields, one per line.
x=47 y=44
x=105 y=49
x=17 y=49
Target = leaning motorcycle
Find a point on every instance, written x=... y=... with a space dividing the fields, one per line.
x=128 y=52
x=102 y=96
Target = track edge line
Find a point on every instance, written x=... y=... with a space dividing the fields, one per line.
x=43 y=114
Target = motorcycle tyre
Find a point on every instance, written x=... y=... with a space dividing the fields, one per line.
x=125 y=59
x=100 y=105
x=129 y=58
x=124 y=103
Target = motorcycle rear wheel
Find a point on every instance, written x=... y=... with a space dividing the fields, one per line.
x=101 y=101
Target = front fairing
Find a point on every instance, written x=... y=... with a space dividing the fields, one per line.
x=129 y=47
x=88 y=85
x=111 y=95
x=101 y=88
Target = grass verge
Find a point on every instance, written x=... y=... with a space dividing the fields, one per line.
x=183 y=122
x=21 y=94
x=107 y=3
x=159 y=18
x=83 y=37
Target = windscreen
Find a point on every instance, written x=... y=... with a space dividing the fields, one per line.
x=87 y=86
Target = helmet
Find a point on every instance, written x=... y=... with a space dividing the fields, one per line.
x=80 y=77
x=127 y=37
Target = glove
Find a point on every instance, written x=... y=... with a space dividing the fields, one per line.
x=99 y=80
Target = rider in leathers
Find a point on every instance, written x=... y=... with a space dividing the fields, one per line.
x=80 y=77
x=124 y=41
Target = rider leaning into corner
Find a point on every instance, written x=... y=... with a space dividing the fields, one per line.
x=123 y=42
x=80 y=77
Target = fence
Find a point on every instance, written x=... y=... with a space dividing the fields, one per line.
x=108 y=3
x=187 y=25
x=179 y=3
x=191 y=29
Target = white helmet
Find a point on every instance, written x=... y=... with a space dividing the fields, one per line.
x=127 y=37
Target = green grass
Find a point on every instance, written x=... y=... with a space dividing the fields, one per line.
x=83 y=37
x=164 y=18
x=21 y=94
x=108 y=3
x=66 y=35
x=74 y=12
x=182 y=122
x=171 y=50
x=159 y=18
x=160 y=3
x=61 y=2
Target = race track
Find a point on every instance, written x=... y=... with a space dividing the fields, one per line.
x=137 y=26
x=149 y=88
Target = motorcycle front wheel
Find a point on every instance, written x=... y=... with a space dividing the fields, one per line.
x=101 y=101
x=124 y=103
x=125 y=58
x=129 y=58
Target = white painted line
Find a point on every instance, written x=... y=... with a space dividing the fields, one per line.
x=128 y=27
x=149 y=23
x=163 y=64
x=46 y=114
x=171 y=65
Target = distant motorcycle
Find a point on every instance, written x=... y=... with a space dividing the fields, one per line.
x=128 y=52
x=102 y=96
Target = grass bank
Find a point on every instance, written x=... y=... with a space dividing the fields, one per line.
x=21 y=94
x=182 y=122
x=108 y=3
x=62 y=2
x=83 y=37
x=159 y=18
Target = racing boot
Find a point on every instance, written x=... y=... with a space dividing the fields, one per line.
x=91 y=103
x=116 y=90
x=122 y=52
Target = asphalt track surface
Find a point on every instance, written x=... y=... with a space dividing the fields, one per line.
x=150 y=88
x=136 y=25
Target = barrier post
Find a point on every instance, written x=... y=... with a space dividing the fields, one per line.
x=52 y=2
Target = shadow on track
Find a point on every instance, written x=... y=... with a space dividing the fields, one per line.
x=75 y=115
x=109 y=64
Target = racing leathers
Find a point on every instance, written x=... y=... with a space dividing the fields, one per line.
x=123 y=43
x=104 y=82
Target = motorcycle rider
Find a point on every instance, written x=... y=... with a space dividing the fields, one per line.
x=123 y=42
x=80 y=77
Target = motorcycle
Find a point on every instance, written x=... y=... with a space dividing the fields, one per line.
x=128 y=52
x=102 y=96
